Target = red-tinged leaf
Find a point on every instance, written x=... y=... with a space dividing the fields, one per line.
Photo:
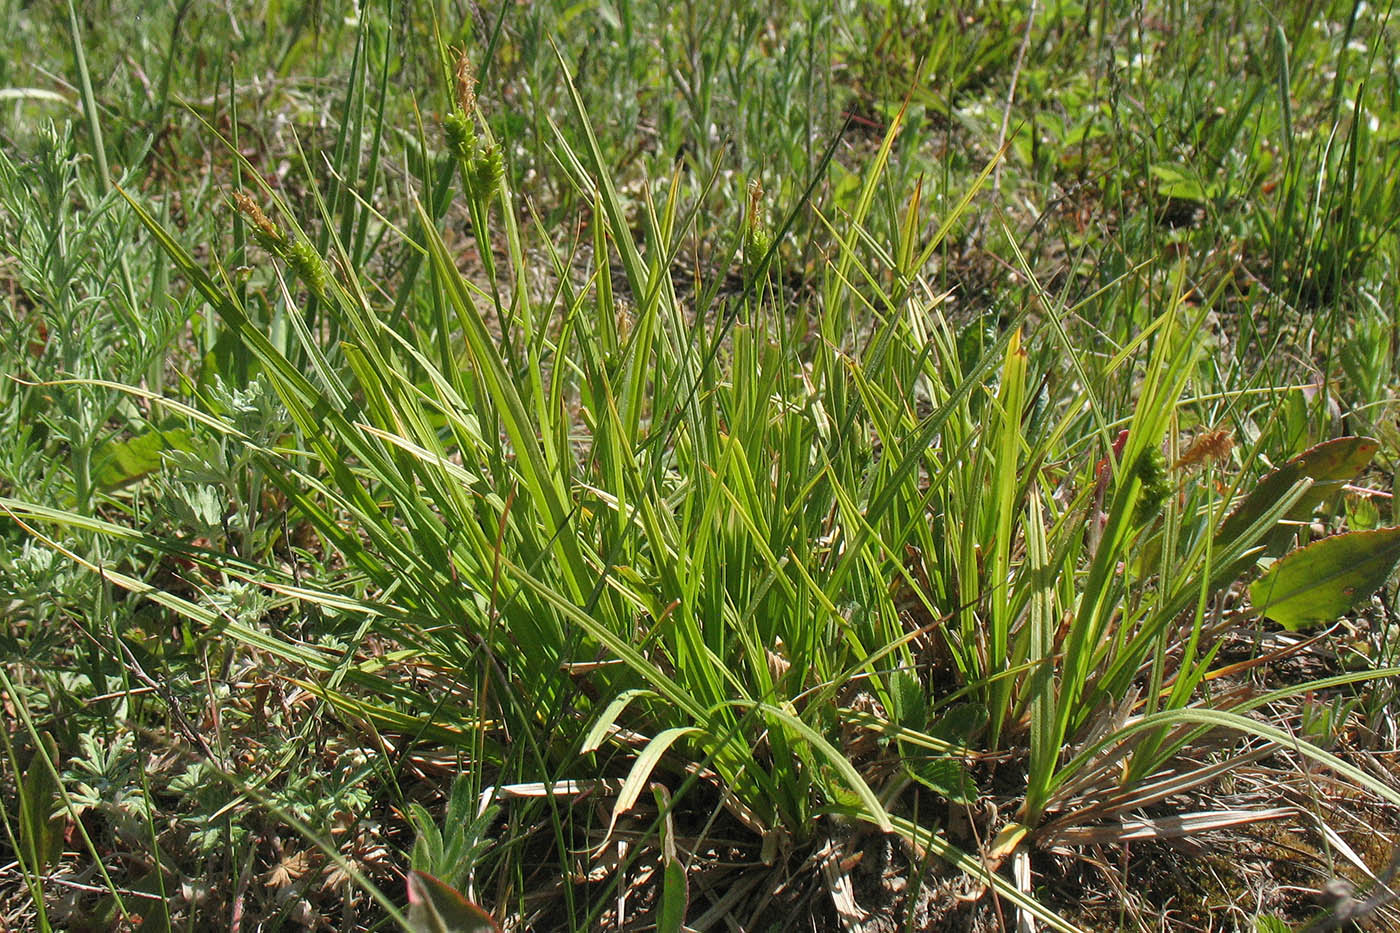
x=1329 y=465
x=434 y=907
x=1327 y=578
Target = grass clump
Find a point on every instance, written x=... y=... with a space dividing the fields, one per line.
x=845 y=526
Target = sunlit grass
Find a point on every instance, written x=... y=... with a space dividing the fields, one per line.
x=608 y=486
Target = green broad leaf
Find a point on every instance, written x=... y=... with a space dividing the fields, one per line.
x=675 y=898
x=1320 y=582
x=1330 y=465
x=225 y=360
x=43 y=817
x=946 y=776
x=122 y=462
x=434 y=907
x=1173 y=181
x=960 y=723
x=910 y=705
x=1363 y=514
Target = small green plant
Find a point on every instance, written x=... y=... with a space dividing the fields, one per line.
x=451 y=853
x=444 y=862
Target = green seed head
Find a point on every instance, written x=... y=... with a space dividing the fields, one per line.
x=757 y=242
x=309 y=266
x=1152 y=473
x=487 y=170
x=461 y=137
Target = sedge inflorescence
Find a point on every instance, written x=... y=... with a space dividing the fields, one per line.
x=295 y=250
x=482 y=166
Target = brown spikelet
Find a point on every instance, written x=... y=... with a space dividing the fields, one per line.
x=1214 y=446
x=466 y=84
x=249 y=208
x=755 y=200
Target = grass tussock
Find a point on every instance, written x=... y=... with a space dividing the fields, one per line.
x=811 y=468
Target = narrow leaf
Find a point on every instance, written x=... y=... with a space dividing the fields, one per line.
x=608 y=716
x=874 y=810
x=641 y=769
x=675 y=891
